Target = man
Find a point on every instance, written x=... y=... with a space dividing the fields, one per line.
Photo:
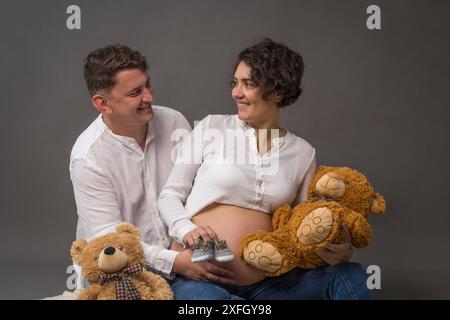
x=120 y=163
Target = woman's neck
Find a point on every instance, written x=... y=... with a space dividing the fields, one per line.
x=268 y=124
x=265 y=132
x=266 y=128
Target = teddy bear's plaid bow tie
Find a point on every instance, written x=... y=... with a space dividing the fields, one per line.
x=125 y=290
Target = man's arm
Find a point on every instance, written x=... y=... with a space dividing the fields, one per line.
x=96 y=200
x=99 y=211
x=203 y=271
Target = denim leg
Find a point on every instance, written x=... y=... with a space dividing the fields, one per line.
x=185 y=289
x=346 y=281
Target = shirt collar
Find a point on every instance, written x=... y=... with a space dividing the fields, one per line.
x=128 y=141
x=242 y=124
x=280 y=140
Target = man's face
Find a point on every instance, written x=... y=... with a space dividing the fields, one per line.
x=130 y=99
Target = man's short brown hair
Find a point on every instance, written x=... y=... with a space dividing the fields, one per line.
x=102 y=65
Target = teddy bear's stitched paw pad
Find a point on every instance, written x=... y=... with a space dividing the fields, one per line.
x=262 y=256
x=315 y=226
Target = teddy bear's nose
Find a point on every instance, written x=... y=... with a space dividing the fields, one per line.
x=110 y=251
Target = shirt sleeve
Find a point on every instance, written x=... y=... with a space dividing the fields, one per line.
x=172 y=200
x=99 y=212
x=97 y=204
x=159 y=260
x=303 y=190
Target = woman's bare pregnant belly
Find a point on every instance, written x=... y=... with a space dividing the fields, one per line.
x=232 y=223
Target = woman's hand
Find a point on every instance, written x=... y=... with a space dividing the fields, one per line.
x=338 y=253
x=204 y=271
x=204 y=232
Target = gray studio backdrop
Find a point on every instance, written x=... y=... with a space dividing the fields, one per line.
x=374 y=100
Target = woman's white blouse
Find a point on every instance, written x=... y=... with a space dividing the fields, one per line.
x=219 y=162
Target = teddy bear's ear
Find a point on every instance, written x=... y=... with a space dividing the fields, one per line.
x=128 y=228
x=378 y=204
x=321 y=169
x=77 y=248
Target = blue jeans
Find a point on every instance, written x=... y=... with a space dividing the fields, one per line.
x=345 y=281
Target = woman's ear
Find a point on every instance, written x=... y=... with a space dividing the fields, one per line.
x=278 y=97
x=275 y=97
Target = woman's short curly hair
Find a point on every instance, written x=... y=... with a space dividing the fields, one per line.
x=275 y=68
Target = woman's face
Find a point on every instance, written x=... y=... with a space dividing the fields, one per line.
x=251 y=106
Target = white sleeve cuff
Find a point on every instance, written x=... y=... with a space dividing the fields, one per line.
x=181 y=228
x=159 y=260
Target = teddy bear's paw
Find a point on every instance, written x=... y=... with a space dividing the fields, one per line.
x=263 y=256
x=316 y=226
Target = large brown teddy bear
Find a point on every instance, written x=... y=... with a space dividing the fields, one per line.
x=114 y=266
x=336 y=196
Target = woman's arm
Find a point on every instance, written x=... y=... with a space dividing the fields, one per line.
x=338 y=253
x=302 y=193
x=172 y=200
x=333 y=253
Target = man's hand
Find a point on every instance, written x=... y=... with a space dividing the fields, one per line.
x=338 y=253
x=204 y=232
x=204 y=271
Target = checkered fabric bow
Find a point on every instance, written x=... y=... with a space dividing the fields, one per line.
x=125 y=290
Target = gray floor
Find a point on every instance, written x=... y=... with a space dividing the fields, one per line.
x=36 y=281
x=32 y=281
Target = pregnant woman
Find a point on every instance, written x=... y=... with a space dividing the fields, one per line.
x=233 y=171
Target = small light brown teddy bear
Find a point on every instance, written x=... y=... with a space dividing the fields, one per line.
x=336 y=196
x=114 y=266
